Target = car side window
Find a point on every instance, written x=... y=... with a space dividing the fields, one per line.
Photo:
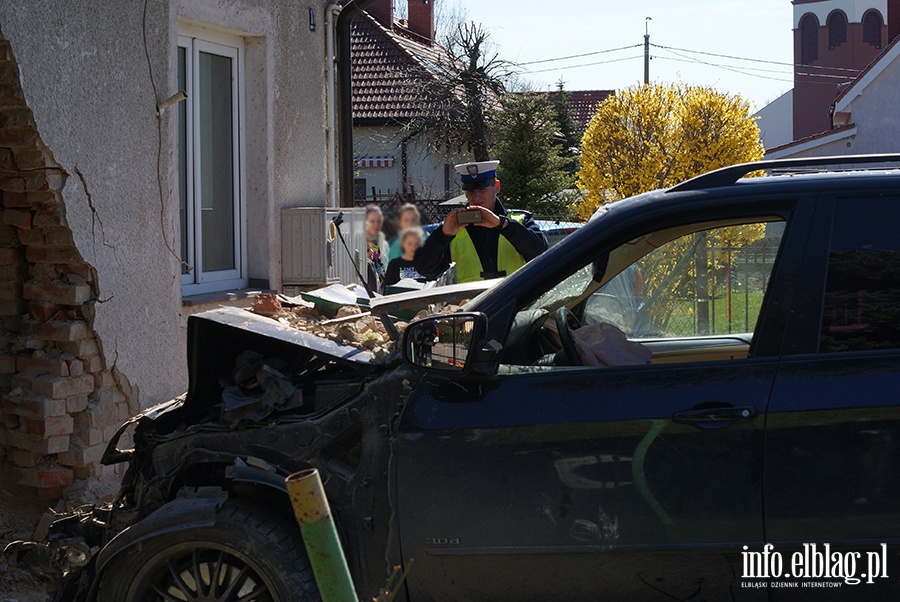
x=861 y=310
x=710 y=282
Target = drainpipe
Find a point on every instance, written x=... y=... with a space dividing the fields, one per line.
x=345 y=95
x=331 y=13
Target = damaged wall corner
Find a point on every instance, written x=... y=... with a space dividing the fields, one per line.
x=61 y=400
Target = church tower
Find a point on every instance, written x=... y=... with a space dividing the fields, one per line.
x=834 y=40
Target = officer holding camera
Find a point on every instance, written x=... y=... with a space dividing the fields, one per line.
x=484 y=239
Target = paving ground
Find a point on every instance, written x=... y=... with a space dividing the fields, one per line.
x=18 y=517
x=17 y=520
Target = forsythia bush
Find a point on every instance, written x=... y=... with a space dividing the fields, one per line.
x=655 y=136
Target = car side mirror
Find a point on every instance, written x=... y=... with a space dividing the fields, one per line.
x=444 y=343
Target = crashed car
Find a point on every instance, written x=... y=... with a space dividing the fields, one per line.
x=566 y=435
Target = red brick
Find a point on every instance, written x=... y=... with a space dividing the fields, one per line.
x=57 y=237
x=43 y=199
x=10 y=291
x=12 y=308
x=18 y=136
x=39 y=445
x=76 y=403
x=50 y=426
x=92 y=364
x=80 y=456
x=53 y=255
x=41 y=311
x=9 y=236
x=80 y=348
x=42 y=365
x=17 y=218
x=48 y=217
x=64 y=294
x=45 y=478
x=31 y=237
x=29 y=158
x=56 y=387
x=7 y=364
x=33 y=406
x=57 y=330
x=10 y=184
x=10 y=99
x=76 y=367
x=15 y=199
x=8 y=256
x=10 y=272
x=25 y=458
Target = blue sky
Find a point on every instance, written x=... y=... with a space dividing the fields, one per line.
x=531 y=30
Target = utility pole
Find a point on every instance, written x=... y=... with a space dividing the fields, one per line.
x=647 y=50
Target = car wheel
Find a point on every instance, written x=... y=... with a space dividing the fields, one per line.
x=243 y=557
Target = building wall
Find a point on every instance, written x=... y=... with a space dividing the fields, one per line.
x=817 y=85
x=776 y=121
x=91 y=74
x=426 y=168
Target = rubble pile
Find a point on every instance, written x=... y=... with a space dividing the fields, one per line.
x=348 y=325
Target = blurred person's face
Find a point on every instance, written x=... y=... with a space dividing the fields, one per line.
x=484 y=197
x=410 y=243
x=409 y=219
x=373 y=224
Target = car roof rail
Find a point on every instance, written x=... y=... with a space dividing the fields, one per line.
x=727 y=176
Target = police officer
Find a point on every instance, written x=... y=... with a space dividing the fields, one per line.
x=496 y=246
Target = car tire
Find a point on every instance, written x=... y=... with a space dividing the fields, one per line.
x=255 y=557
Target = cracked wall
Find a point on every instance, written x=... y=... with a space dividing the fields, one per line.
x=90 y=76
x=61 y=399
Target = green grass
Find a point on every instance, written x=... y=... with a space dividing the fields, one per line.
x=682 y=321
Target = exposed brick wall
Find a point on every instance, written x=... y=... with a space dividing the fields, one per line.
x=61 y=402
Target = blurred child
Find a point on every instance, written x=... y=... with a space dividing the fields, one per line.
x=408 y=217
x=402 y=267
x=377 y=247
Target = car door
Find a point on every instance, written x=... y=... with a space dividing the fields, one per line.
x=628 y=482
x=833 y=433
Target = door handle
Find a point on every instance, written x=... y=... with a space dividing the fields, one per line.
x=719 y=414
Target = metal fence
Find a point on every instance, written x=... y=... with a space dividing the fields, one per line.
x=737 y=278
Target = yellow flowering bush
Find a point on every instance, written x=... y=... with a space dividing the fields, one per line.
x=655 y=136
x=650 y=137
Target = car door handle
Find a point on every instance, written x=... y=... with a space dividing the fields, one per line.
x=719 y=414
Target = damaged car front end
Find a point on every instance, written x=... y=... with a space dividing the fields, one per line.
x=264 y=401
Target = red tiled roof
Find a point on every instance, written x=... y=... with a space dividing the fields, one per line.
x=387 y=66
x=583 y=103
x=811 y=138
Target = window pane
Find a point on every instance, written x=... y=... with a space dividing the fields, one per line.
x=216 y=162
x=862 y=290
x=182 y=161
x=705 y=283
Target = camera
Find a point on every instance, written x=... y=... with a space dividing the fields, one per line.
x=469 y=216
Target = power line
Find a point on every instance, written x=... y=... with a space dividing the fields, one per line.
x=627 y=58
x=696 y=62
x=752 y=60
x=578 y=56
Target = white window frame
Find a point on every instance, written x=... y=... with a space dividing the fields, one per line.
x=196 y=40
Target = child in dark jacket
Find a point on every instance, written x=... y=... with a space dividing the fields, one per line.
x=403 y=267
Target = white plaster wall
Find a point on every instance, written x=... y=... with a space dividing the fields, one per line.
x=86 y=77
x=874 y=113
x=425 y=165
x=776 y=121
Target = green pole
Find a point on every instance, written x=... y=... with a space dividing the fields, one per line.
x=326 y=556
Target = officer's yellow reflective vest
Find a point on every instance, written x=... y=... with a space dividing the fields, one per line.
x=468 y=264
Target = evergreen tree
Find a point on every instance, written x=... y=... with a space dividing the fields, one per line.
x=533 y=170
x=562 y=106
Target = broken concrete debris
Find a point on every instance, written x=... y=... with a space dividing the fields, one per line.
x=320 y=314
